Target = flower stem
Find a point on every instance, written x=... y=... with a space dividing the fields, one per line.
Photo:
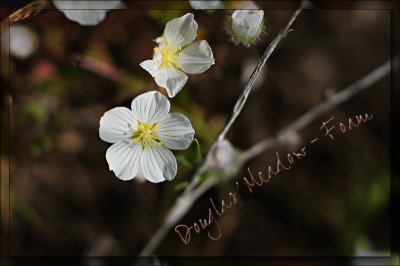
x=189 y=196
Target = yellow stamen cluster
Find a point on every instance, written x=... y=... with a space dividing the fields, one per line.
x=168 y=53
x=146 y=135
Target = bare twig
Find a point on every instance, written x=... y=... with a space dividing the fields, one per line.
x=191 y=194
x=26 y=12
x=185 y=201
x=180 y=208
x=183 y=204
x=243 y=97
x=315 y=112
x=98 y=67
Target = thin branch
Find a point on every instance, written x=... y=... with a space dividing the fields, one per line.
x=26 y=12
x=98 y=67
x=184 y=203
x=180 y=208
x=243 y=97
x=188 y=197
x=315 y=112
x=247 y=88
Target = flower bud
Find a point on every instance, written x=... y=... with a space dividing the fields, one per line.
x=227 y=159
x=245 y=26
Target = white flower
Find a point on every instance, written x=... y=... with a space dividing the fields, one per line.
x=142 y=138
x=177 y=54
x=87 y=13
x=21 y=41
x=196 y=4
x=246 y=25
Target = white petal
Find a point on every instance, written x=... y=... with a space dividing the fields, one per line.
x=150 y=107
x=123 y=158
x=197 y=4
x=85 y=17
x=148 y=66
x=171 y=79
x=196 y=58
x=246 y=25
x=181 y=31
x=117 y=124
x=87 y=13
x=158 y=164
x=176 y=132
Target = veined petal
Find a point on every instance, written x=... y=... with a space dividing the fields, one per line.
x=150 y=107
x=117 y=124
x=181 y=31
x=171 y=79
x=176 y=132
x=196 y=58
x=148 y=66
x=158 y=164
x=87 y=13
x=123 y=158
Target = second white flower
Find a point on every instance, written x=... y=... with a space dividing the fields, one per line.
x=177 y=54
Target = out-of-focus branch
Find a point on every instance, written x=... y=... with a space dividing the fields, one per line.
x=24 y=13
x=189 y=196
x=98 y=67
x=315 y=112
x=243 y=97
x=185 y=202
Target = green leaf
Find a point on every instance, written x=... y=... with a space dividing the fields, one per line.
x=184 y=160
x=25 y=210
x=195 y=151
x=192 y=156
x=181 y=186
x=204 y=177
x=34 y=111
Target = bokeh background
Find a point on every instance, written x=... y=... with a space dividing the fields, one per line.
x=65 y=202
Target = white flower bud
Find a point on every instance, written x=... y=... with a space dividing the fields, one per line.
x=245 y=26
x=226 y=158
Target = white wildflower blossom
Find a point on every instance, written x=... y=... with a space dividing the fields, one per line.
x=143 y=136
x=202 y=5
x=245 y=26
x=20 y=42
x=177 y=54
x=87 y=13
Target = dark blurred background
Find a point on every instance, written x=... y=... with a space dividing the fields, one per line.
x=65 y=202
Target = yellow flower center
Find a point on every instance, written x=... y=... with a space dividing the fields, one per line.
x=146 y=135
x=166 y=54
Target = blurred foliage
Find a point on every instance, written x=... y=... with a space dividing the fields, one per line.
x=25 y=210
x=192 y=157
x=204 y=177
x=171 y=11
x=39 y=145
x=206 y=132
x=181 y=186
x=35 y=111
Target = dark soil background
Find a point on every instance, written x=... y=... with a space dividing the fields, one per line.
x=335 y=202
